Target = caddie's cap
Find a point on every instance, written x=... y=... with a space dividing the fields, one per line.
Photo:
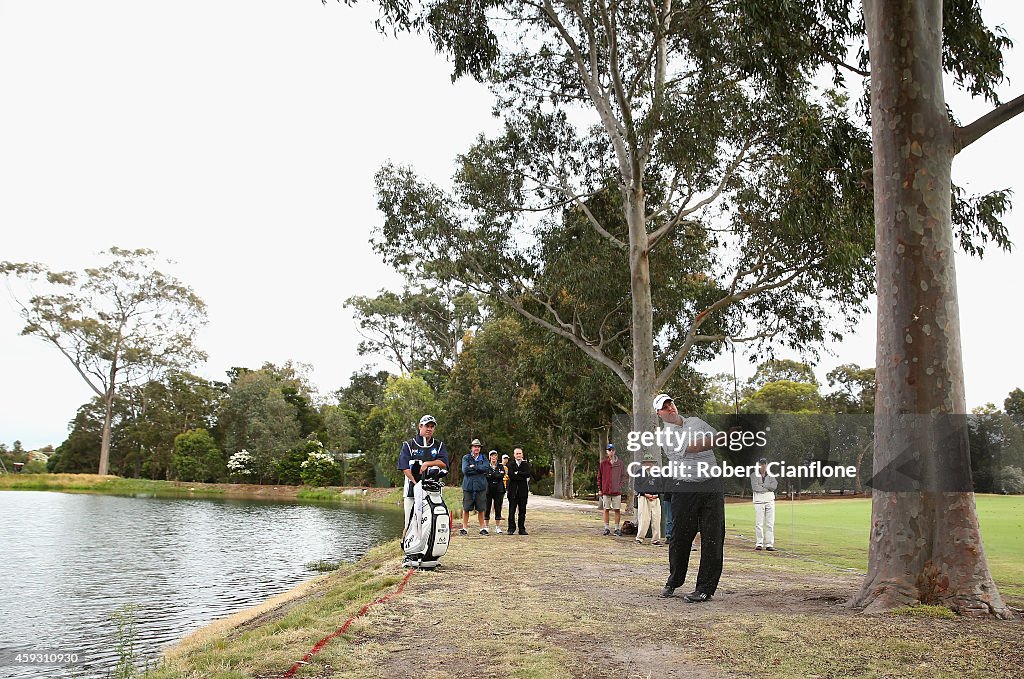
x=659 y=401
x=427 y=419
x=476 y=442
x=763 y=460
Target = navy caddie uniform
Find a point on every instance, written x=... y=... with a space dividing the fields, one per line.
x=414 y=452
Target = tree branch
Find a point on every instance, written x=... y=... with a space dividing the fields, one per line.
x=660 y=73
x=684 y=211
x=971 y=133
x=559 y=327
x=588 y=349
x=842 y=64
x=566 y=189
x=590 y=81
x=727 y=300
x=619 y=90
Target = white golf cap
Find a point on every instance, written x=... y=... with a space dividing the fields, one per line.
x=659 y=401
x=427 y=419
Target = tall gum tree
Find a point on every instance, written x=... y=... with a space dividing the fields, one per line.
x=116 y=323
x=926 y=544
x=712 y=146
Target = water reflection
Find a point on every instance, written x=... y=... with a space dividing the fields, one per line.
x=71 y=561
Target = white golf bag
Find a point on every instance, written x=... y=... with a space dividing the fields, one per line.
x=429 y=532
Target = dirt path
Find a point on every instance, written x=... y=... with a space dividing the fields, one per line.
x=549 y=503
x=567 y=602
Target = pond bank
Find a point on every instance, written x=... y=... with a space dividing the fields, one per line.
x=116 y=485
x=568 y=602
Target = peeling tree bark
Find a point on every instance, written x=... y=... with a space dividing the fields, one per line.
x=642 y=322
x=925 y=545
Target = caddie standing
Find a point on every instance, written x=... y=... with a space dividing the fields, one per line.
x=418 y=454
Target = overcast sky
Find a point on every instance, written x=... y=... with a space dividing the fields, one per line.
x=240 y=140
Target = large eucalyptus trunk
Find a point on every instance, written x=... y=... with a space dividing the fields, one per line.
x=642 y=326
x=108 y=418
x=925 y=544
x=644 y=371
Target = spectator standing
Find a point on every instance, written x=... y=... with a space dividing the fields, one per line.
x=611 y=478
x=496 y=476
x=648 y=504
x=474 y=486
x=519 y=474
x=764 y=485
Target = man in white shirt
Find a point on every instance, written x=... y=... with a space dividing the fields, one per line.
x=764 y=485
x=698 y=501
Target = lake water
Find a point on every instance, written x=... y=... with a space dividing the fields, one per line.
x=70 y=562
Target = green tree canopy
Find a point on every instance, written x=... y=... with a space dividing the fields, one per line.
x=257 y=415
x=418 y=329
x=785 y=396
x=855 y=391
x=405 y=400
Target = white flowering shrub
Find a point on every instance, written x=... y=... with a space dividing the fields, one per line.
x=320 y=469
x=241 y=466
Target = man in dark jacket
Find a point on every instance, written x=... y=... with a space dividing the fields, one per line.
x=474 y=486
x=519 y=473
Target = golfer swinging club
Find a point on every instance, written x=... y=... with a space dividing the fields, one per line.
x=698 y=501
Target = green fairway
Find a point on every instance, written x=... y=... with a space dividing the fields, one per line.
x=836 y=532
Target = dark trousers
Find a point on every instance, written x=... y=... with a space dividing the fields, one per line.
x=494 y=501
x=694 y=512
x=666 y=514
x=516 y=504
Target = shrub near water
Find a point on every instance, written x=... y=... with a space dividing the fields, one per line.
x=320 y=467
x=197 y=457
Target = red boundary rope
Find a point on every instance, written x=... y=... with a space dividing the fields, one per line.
x=341 y=630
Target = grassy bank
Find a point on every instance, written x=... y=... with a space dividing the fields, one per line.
x=115 y=485
x=267 y=640
x=567 y=602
